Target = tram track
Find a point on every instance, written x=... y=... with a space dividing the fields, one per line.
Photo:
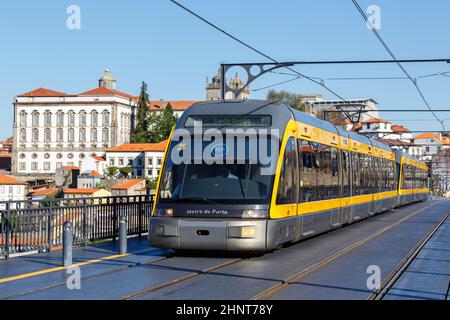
x=392 y=279
x=181 y=279
x=292 y=279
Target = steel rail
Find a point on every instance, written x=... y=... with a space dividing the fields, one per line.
x=291 y=280
x=406 y=262
x=181 y=279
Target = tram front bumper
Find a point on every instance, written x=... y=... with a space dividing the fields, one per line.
x=208 y=234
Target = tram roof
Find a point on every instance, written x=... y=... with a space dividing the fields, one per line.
x=280 y=113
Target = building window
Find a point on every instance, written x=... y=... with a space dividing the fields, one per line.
x=22 y=166
x=120 y=162
x=23 y=119
x=94 y=118
x=47 y=135
x=70 y=164
x=105 y=118
x=60 y=118
x=130 y=162
x=159 y=161
x=70 y=156
x=59 y=165
x=82 y=118
x=111 y=162
x=47 y=166
x=48 y=118
x=105 y=135
x=94 y=135
x=35 y=135
x=82 y=134
x=23 y=135
x=150 y=161
x=71 y=118
x=59 y=135
x=35 y=118
x=34 y=166
x=139 y=173
x=71 y=135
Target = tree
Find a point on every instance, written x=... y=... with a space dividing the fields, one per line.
x=126 y=171
x=151 y=184
x=336 y=118
x=161 y=123
x=290 y=99
x=141 y=130
x=112 y=171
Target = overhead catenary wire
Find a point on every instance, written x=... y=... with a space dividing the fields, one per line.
x=386 y=47
x=323 y=79
x=256 y=50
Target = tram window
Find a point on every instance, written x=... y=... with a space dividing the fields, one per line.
x=356 y=183
x=324 y=177
x=335 y=172
x=308 y=171
x=345 y=174
x=287 y=186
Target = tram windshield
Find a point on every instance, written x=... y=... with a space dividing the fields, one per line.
x=243 y=176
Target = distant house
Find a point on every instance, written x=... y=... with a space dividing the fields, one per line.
x=144 y=158
x=135 y=187
x=94 y=163
x=86 y=193
x=67 y=176
x=11 y=189
x=42 y=193
x=89 y=179
x=429 y=144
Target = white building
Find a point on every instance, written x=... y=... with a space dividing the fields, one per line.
x=94 y=163
x=135 y=187
x=429 y=144
x=89 y=179
x=317 y=106
x=11 y=189
x=144 y=158
x=55 y=129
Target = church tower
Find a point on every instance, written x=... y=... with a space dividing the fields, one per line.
x=107 y=81
x=213 y=88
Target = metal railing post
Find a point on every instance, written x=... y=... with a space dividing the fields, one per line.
x=122 y=235
x=84 y=216
x=67 y=243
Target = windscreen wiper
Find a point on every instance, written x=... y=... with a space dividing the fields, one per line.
x=199 y=199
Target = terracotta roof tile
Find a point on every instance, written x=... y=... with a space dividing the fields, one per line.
x=4 y=179
x=397 y=128
x=80 y=191
x=44 y=192
x=102 y=91
x=139 y=147
x=98 y=158
x=128 y=184
x=71 y=168
x=177 y=105
x=43 y=92
x=375 y=121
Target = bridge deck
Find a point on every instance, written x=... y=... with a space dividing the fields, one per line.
x=330 y=266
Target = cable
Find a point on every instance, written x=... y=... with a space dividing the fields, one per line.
x=255 y=50
x=383 y=43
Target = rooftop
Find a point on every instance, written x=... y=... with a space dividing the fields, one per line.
x=139 y=147
x=42 y=192
x=80 y=191
x=128 y=184
x=4 y=179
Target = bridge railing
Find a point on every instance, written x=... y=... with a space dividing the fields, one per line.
x=29 y=226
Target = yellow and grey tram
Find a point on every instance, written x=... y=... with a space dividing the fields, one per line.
x=320 y=177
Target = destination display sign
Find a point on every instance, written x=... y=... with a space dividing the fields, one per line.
x=229 y=120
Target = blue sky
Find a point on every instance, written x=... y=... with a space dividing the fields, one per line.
x=173 y=52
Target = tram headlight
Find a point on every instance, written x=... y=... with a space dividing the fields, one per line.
x=164 y=212
x=254 y=213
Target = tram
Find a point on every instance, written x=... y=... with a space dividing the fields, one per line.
x=222 y=193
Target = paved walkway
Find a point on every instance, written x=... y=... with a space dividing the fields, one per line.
x=428 y=276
